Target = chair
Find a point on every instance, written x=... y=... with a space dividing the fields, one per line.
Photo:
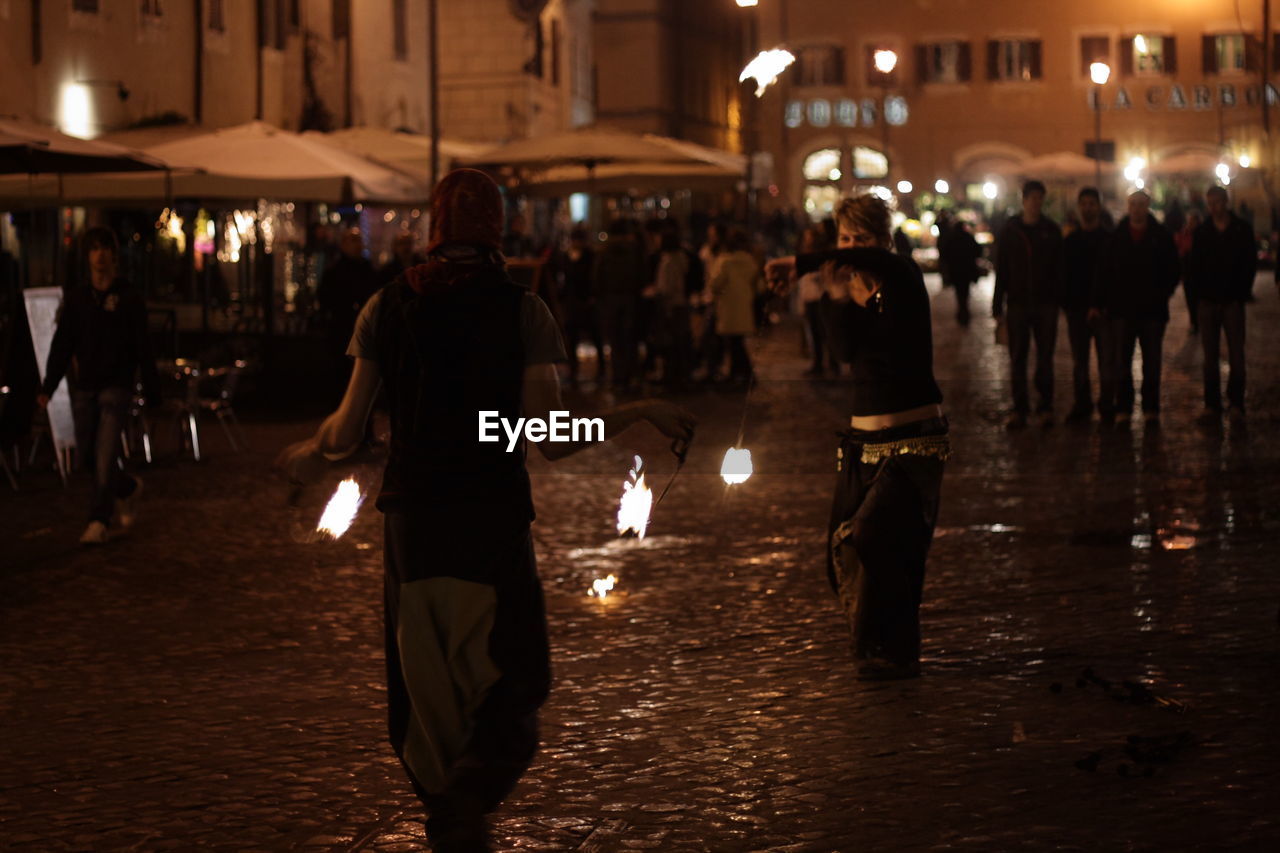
x=220 y=385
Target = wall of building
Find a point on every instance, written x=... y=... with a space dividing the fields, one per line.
x=954 y=130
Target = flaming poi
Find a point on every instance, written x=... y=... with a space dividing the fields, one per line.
x=601 y=587
x=341 y=510
x=636 y=504
x=736 y=467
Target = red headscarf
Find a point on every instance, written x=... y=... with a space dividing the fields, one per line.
x=466 y=208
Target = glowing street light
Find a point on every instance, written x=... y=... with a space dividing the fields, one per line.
x=766 y=67
x=990 y=190
x=941 y=187
x=905 y=187
x=1099 y=73
x=1140 y=43
x=747 y=4
x=885 y=61
x=1245 y=161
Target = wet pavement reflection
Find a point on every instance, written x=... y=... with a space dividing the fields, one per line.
x=1100 y=644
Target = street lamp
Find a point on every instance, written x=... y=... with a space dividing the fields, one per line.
x=747 y=4
x=1099 y=73
x=884 y=62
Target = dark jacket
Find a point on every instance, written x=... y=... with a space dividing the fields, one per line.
x=1028 y=265
x=1222 y=264
x=961 y=255
x=1080 y=253
x=1136 y=278
x=106 y=332
x=619 y=272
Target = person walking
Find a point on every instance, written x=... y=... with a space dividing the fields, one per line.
x=618 y=277
x=1137 y=274
x=102 y=328
x=1223 y=264
x=1029 y=284
x=582 y=321
x=347 y=284
x=889 y=463
x=734 y=286
x=467 y=651
x=1184 y=238
x=961 y=260
x=1080 y=252
x=671 y=329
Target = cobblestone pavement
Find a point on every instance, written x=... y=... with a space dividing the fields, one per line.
x=215 y=679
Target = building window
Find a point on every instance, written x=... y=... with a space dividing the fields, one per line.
x=271 y=24
x=944 y=62
x=295 y=15
x=90 y=6
x=151 y=9
x=1230 y=53
x=1149 y=55
x=869 y=163
x=216 y=19
x=1014 y=59
x=822 y=182
x=819 y=66
x=1094 y=49
x=400 y=30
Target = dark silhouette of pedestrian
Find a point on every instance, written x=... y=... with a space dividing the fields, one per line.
x=617 y=279
x=347 y=284
x=1223 y=264
x=961 y=261
x=1137 y=274
x=1080 y=253
x=103 y=328
x=1029 y=285
x=581 y=317
x=404 y=254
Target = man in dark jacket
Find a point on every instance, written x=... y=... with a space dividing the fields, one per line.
x=1222 y=266
x=104 y=328
x=617 y=278
x=346 y=285
x=1029 y=281
x=1080 y=252
x=1137 y=273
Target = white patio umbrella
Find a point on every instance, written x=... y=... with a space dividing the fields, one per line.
x=585 y=147
x=397 y=148
x=29 y=148
x=1060 y=165
x=1187 y=163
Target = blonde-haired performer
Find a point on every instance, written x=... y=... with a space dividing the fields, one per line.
x=890 y=460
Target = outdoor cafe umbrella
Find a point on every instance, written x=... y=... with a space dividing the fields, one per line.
x=1187 y=163
x=1060 y=165
x=28 y=148
x=397 y=148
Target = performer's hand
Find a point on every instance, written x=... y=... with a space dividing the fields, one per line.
x=42 y=400
x=671 y=420
x=780 y=273
x=302 y=462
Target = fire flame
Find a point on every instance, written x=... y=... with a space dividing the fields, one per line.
x=637 y=502
x=736 y=467
x=601 y=587
x=341 y=509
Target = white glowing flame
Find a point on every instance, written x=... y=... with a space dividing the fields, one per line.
x=736 y=467
x=637 y=502
x=766 y=67
x=342 y=509
x=601 y=587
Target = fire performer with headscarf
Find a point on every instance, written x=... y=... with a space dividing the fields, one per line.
x=890 y=460
x=466 y=634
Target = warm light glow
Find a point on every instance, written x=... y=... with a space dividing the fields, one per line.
x=747 y=4
x=1140 y=184
x=636 y=503
x=766 y=67
x=170 y=223
x=736 y=467
x=342 y=509
x=1099 y=73
x=1223 y=171
x=601 y=587
x=1245 y=161
x=1140 y=42
x=905 y=187
x=990 y=190
x=941 y=187
x=75 y=115
x=834 y=175
x=885 y=61
x=1133 y=171
x=882 y=193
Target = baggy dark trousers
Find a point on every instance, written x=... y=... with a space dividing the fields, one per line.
x=503 y=729
x=881 y=526
x=99 y=418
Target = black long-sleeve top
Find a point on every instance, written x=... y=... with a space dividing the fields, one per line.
x=1081 y=251
x=1028 y=265
x=888 y=344
x=1137 y=272
x=106 y=332
x=1223 y=263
